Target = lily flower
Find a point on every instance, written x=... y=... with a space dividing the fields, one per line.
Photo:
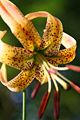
x=39 y=58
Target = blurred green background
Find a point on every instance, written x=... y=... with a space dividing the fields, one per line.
x=68 y=11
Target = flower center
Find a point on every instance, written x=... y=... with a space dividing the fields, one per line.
x=52 y=73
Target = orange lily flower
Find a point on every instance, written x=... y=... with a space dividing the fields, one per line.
x=39 y=58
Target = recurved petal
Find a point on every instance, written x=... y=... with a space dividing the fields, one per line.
x=13 y=11
x=20 y=82
x=52 y=33
x=3 y=73
x=63 y=57
x=15 y=56
x=52 y=36
x=40 y=73
x=21 y=27
x=2 y=33
x=66 y=55
x=68 y=41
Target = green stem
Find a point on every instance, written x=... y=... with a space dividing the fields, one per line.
x=24 y=105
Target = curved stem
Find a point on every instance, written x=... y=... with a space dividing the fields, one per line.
x=24 y=105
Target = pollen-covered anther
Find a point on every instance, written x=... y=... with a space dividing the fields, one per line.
x=43 y=105
x=36 y=89
x=75 y=87
x=74 y=68
x=56 y=104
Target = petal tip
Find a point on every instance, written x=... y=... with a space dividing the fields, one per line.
x=2 y=33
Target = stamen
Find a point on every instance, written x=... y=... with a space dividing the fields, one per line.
x=58 y=68
x=77 y=88
x=72 y=67
x=60 y=81
x=64 y=78
x=56 y=105
x=43 y=105
x=49 y=80
x=49 y=84
x=36 y=89
x=45 y=64
x=54 y=81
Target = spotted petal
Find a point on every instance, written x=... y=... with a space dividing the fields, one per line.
x=51 y=39
x=21 y=27
x=20 y=82
x=52 y=36
x=66 y=55
x=15 y=56
x=40 y=73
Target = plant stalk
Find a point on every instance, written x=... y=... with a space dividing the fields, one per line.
x=24 y=105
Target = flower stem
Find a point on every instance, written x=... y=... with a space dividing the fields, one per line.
x=24 y=105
